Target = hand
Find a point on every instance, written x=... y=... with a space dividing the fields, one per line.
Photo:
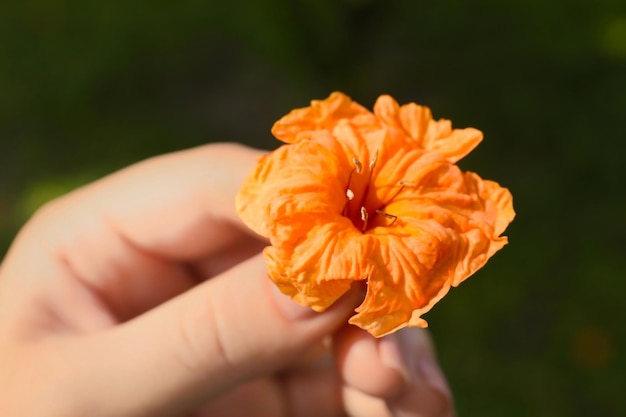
x=143 y=295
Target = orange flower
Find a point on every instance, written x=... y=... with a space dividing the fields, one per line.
x=373 y=197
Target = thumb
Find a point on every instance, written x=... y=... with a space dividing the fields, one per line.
x=231 y=328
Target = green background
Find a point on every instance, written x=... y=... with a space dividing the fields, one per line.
x=87 y=87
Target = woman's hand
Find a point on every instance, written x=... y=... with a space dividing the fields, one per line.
x=144 y=295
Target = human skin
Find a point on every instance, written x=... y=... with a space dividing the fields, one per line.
x=143 y=294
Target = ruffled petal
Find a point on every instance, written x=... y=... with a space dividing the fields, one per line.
x=290 y=181
x=295 y=197
x=453 y=144
x=400 y=284
x=458 y=202
x=500 y=203
x=321 y=115
x=417 y=123
x=444 y=231
x=322 y=264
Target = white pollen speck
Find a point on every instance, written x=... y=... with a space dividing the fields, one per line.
x=349 y=194
x=364 y=214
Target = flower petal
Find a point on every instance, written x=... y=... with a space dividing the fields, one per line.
x=418 y=124
x=501 y=201
x=295 y=197
x=321 y=267
x=290 y=181
x=458 y=202
x=444 y=231
x=321 y=115
x=399 y=285
x=453 y=144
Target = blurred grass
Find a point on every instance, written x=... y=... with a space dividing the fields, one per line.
x=88 y=87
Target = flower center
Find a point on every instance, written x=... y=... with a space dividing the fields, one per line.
x=356 y=208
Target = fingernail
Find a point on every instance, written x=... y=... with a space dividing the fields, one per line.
x=433 y=376
x=289 y=308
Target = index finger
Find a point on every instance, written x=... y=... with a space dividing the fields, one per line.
x=178 y=206
x=127 y=237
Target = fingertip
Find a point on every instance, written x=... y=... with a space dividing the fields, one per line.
x=426 y=393
x=399 y=369
x=370 y=365
x=287 y=307
x=292 y=310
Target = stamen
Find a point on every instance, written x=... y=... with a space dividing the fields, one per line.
x=393 y=218
x=387 y=216
x=364 y=217
x=402 y=184
x=374 y=160
x=371 y=166
x=349 y=193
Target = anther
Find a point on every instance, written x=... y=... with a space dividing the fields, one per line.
x=387 y=216
x=372 y=163
x=349 y=193
x=364 y=217
x=402 y=184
